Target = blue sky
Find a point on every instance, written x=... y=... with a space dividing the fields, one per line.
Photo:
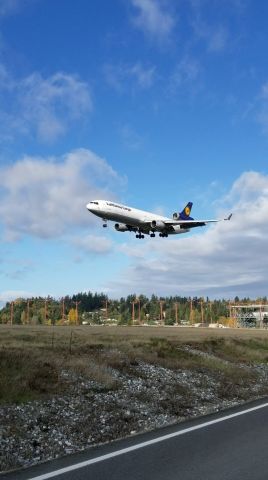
x=149 y=102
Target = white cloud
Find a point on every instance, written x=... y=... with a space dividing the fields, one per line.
x=217 y=39
x=93 y=244
x=49 y=104
x=119 y=76
x=9 y=295
x=143 y=76
x=260 y=106
x=8 y=7
x=264 y=91
x=215 y=36
x=154 y=18
x=130 y=137
x=185 y=74
x=4 y=77
x=47 y=197
x=18 y=273
x=227 y=259
x=131 y=250
x=249 y=188
x=12 y=7
x=42 y=106
x=257 y=108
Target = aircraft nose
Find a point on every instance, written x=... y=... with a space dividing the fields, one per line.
x=93 y=207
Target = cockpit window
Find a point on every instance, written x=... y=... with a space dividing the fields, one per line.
x=96 y=203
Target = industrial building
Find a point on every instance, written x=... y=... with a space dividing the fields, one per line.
x=251 y=315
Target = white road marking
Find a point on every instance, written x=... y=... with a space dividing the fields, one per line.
x=76 y=466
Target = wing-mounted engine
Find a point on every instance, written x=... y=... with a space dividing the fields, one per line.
x=180 y=229
x=158 y=225
x=121 y=227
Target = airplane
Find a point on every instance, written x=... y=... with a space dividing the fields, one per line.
x=146 y=223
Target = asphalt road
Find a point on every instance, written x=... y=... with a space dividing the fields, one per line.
x=231 y=445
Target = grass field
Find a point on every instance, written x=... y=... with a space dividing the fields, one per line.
x=64 y=389
x=40 y=334
x=32 y=358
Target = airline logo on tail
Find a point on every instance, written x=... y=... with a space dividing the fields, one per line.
x=185 y=213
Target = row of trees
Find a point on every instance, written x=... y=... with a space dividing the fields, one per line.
x=98 y=308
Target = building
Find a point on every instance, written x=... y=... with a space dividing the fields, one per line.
x=251 y=315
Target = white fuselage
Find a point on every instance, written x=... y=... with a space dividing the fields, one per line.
x=133 y=219
x=117 y=212
x=142 y=222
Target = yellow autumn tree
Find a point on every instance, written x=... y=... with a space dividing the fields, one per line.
x=72 y=316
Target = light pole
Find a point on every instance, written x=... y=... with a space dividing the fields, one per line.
x=202 y=311
x=161 y=311
x=76 y=311
x=28 y=312
x=11 y=312
x=139 y=309
x=176 y=312
x=63 y=310
x=106 y=309
x=261 y=317
x=191 y=311
x=45 y=313
x=210 y=311
x=133 y=311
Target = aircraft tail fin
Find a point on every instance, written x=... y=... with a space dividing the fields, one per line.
x=185 y=213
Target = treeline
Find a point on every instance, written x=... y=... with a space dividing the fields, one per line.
x=98 y=308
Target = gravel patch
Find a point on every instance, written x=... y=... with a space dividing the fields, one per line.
x=144 y=398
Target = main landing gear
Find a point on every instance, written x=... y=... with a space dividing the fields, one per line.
x=140 y=235
x=105 y=223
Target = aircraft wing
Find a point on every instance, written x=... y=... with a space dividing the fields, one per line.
x=194 y=223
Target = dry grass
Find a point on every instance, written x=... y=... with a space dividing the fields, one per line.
x=237 y=350
x=32 y=358
x=26 y=375
x=42 y=334
x=236 y=383
x=91 y=368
